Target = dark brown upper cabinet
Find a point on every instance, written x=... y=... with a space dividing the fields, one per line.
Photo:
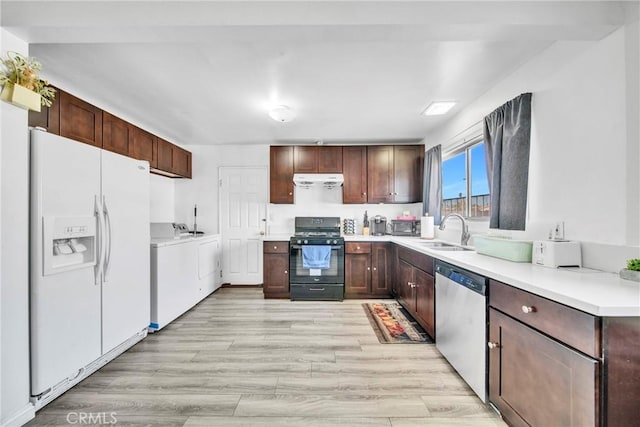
x=317 y=159
x=330 y=159
x=172 y=160
x=144 y=147
x=305 y=159
x=117 y=135
x=354 y=161
x=48 y=117
x=281 y=174
x=80 y=120
x=394 y=173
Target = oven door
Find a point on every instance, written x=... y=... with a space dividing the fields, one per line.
x=333 y=274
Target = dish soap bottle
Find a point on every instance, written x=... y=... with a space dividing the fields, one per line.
x=365 y=225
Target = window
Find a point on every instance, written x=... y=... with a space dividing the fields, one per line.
x=465 y=188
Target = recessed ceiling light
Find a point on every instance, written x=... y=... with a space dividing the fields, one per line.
x=282 y=113
x=438 y=107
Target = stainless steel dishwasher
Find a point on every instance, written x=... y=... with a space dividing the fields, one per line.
x=461 y=323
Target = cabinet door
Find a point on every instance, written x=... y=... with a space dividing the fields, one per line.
x=357 y=274
x=305 y=159
x=380 y=270
x=80 y=120
x=144 y=147
x=407 y=173
x=354 y=167
x=165 y=155
x=117 y=135
x=281 y=175
x=330 y=159
x=276 y=275
x=405 y=286
x=425 y=301
x=536 y=381
x=181 y=162
x=48 y=117
x=380 y=174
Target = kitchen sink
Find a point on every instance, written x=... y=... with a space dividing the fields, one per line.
x=442 y=246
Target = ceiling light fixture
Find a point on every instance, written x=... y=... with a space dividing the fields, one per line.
x=437 y=108
x=282 y=113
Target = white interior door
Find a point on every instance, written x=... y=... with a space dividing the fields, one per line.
x=243 y=205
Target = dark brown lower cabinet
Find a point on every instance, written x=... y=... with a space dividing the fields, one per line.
x=535 y=380
x=415 y=287
x=275 y=269
x=366 y=270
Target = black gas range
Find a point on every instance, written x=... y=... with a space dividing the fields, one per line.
x=316 y=259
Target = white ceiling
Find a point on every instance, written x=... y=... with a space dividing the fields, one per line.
x=205 y=72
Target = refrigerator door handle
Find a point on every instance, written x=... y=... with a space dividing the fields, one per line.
x=107 y=258
x=99 y=237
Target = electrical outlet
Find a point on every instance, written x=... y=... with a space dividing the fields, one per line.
x=558 y=231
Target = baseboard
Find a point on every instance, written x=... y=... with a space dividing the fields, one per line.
x=20 y=418
x=236 y=285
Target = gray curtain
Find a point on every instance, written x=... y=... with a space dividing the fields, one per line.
x=432 y=185
x=507 y=135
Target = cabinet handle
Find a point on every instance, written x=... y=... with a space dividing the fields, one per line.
x=357 y=248
x=275 y=247
x=527 y=309
x=290 y=193
x=374 y=269
x=492 y=345
x=411 y=284
x=286 y=272
x=364 y=194
x=368 y=268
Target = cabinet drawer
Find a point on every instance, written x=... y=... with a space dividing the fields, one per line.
x=417 y=259
x=309 y=292
x=578 y=329
x=358 y=248
x=276 y=247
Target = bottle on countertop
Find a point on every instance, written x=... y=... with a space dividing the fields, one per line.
x=365 y=224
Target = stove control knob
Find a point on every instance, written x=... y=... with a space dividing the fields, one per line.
x=335 y=242
x=329 y=242
x=306 y=242
x=299 y=241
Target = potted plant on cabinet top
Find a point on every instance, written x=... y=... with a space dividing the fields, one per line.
x=632 y=272
x=22 y=85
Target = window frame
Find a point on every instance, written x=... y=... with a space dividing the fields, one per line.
x=466 y=147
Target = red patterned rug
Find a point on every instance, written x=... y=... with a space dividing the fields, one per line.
x=393 y=325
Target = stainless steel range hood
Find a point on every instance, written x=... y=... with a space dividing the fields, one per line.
x=327 y=180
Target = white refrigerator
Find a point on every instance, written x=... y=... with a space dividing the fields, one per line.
x=90 y=271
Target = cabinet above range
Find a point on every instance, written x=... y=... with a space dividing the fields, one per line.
x=372 y=174
x=79 y=120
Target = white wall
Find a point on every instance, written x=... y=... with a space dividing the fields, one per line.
x=584 y=131
x=162 y=199
x=203 y=191
x=15 y=408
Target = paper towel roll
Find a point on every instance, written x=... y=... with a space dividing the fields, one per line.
x=427 y=230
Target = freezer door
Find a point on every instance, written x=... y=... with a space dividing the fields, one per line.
x=126 y=273
x=65 y=305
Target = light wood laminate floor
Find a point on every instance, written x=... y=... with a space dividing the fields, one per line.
x=239 y=360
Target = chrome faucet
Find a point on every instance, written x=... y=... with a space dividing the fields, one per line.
x=464 y=238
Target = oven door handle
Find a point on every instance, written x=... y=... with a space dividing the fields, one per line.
x=338 y=247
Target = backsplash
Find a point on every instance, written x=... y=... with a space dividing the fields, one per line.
x=319 y=201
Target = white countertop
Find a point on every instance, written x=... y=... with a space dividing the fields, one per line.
x=593 y=291
x=168 y=241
